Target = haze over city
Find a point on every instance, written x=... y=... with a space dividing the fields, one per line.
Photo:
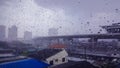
x=69 y=16
x=59 y=33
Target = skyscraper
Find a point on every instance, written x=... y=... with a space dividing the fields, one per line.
x=27 y=35
x=2 y=32
x=12 y=33
x=53 y=32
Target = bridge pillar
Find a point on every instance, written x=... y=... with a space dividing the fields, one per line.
x=94 y=40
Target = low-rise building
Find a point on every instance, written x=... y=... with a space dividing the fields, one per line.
x=51 y=56
x=6 y=53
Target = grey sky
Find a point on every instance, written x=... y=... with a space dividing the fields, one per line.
x=70 y=16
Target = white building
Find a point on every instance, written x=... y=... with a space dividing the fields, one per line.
x=2 y=32
x=52 y=56
x=58 y=58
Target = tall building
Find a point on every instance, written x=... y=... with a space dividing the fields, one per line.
x=13 y=33
x=114 y=28
x=2 y=32
x=27 y=35
x=53 y=32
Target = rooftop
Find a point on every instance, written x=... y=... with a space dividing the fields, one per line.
x=45 y=53
x=57 y=46
x=24 y=63
x=80 y=64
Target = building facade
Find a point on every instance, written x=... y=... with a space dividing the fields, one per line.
x=53 y=32
x=2 y=32
x=58 y=58
x=27 y=35
x=13 y=33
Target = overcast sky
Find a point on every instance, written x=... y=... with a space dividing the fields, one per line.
x=69 y=16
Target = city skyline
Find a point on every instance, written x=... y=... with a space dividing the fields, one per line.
x=11 y=33
x=61 y=33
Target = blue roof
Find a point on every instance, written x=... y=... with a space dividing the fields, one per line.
x=26 y=63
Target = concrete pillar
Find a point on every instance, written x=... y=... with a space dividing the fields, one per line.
x=94 y=40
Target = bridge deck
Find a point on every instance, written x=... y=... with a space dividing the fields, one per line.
x=100 y=36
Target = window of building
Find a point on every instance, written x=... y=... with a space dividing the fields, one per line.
x=63 y=59
x=56 y=60
x=51 y=62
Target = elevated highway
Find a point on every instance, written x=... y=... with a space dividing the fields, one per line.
x=100 y=36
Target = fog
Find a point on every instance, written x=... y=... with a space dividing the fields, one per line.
x=68 y=16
